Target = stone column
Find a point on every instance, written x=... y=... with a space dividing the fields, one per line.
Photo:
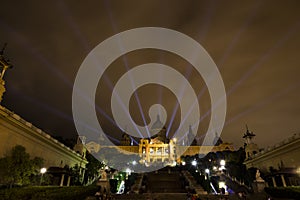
x=62 y=180
x=274 y=181
x=69 y=179
x=147 y=153
x=2 y=88
x=283 y=180
x=82 y=175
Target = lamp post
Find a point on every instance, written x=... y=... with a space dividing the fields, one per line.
x=194 y=163
x=207 y=173
x=134 y=162
x=43 y=171
x=222 y=164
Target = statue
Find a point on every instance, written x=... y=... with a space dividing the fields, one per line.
x=258 y=183
x=103 y=176
x=257 y=176
x=4 y=63
x=104 y=186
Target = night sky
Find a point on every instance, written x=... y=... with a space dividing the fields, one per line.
x=255 y=45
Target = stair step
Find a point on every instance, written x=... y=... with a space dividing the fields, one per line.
x=158 y=196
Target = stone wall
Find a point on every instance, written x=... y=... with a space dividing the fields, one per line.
x=16 y=131
x=285 y=153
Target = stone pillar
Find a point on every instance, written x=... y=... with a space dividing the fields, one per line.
x=283 y=180
x=83 y=173
x=2 y=88
x=258 y=186
x=69 y=179
x=274 y=182
x=104 y=183
x=147 y=152
x=62 y=180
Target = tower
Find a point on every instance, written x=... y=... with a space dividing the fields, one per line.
x=250 y=148
x=189 y=138
x=217 y=141
x=4 y=65
x=126 y=140
x=159 y=128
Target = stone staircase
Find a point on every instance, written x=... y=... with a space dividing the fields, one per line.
x=193 y=183
x=165 y=182
x=152 y=196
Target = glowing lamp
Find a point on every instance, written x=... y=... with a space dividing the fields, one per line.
x=222 y=162
x=194 y=163
x=43 y=170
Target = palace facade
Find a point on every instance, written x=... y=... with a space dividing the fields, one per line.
x=160 y=149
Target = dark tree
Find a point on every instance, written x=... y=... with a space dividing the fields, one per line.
x=17 y=168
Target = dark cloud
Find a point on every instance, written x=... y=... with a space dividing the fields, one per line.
x=254 y=43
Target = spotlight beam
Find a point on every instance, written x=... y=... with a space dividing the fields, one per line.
x=237 y=36
x=263 y=59
x=262 y=103
x=208 y=14
x=183 y=87
x=124 y=58
x=72 y=24
x=21 y=40
x=53 y=110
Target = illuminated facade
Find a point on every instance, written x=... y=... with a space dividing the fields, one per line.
x=157 y=151
x=160 y=149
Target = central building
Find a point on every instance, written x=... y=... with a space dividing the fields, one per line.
x=158 y=148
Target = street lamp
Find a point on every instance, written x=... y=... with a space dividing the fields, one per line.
x=194 y=163
x=222 y=163
x=43 y=171
x=128 y=171
x=207 y=171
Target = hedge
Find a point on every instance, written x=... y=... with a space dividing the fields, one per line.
x=292 y=192
x=48 y=193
